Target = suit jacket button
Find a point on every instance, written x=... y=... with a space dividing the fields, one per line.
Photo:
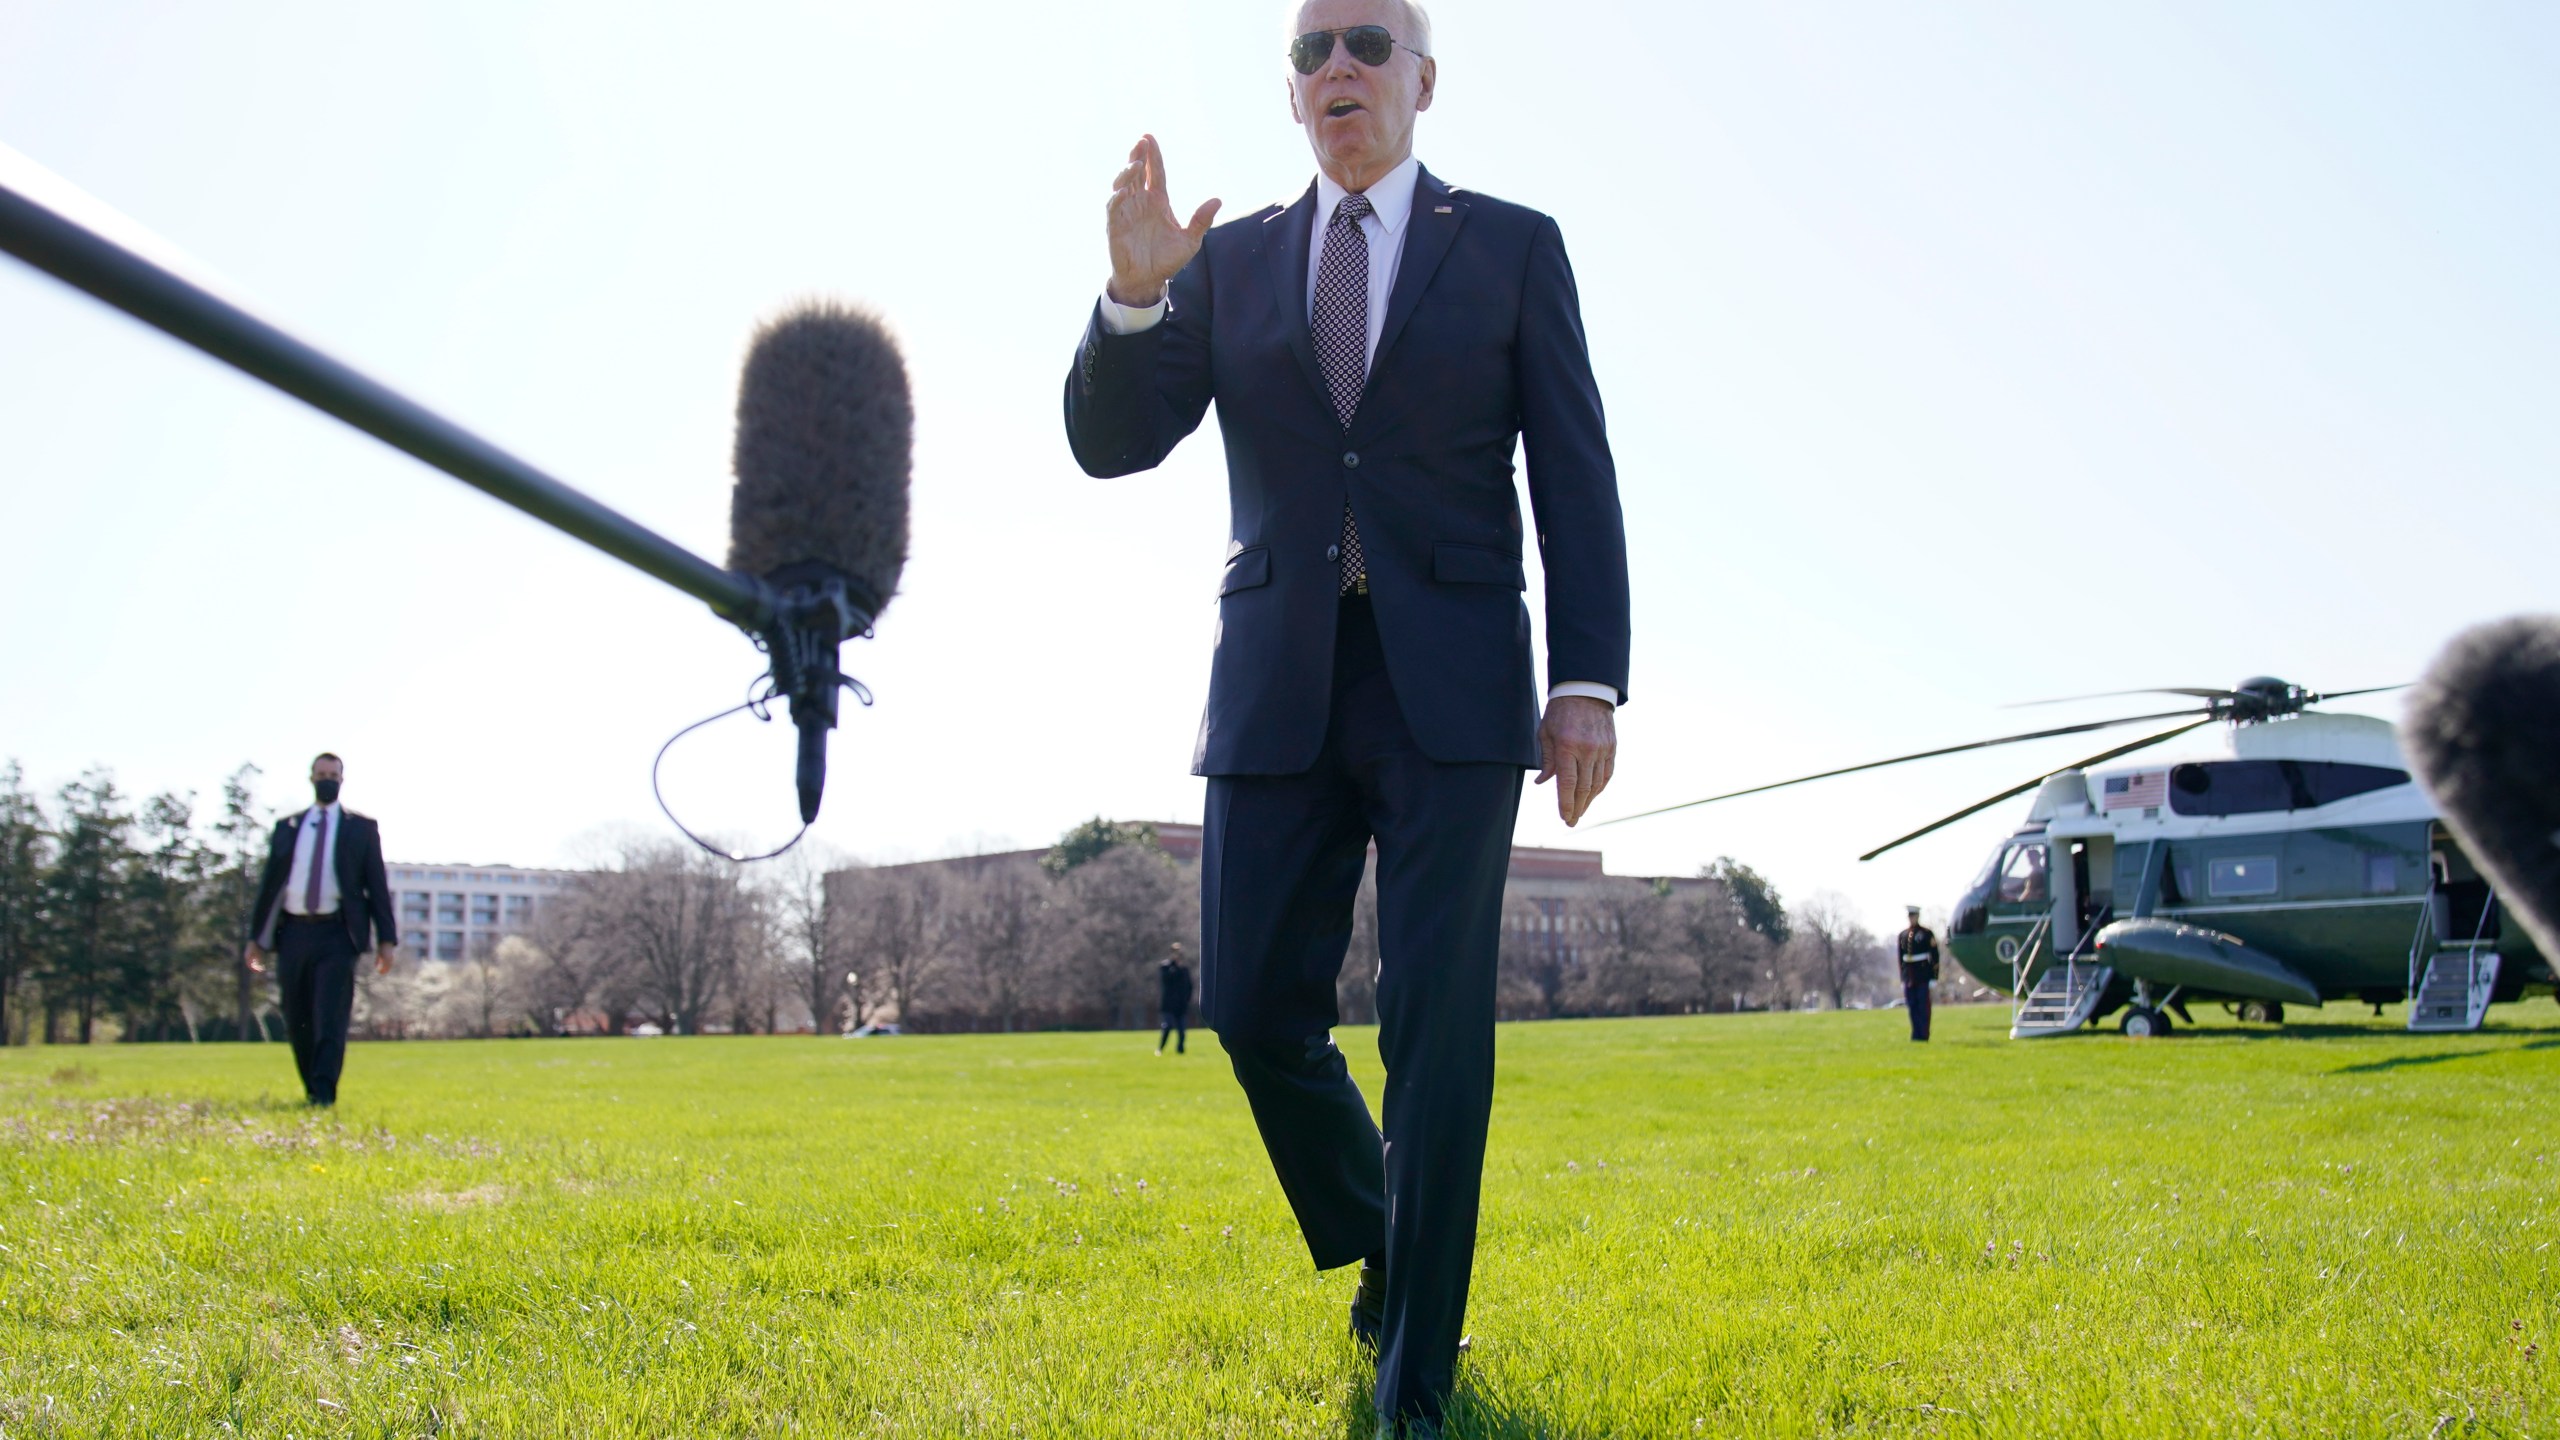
x=1351 y=459
x=1333 y=552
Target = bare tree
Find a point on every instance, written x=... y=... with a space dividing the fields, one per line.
x=1633 y=963
x=894 y=933
x=1831 y=954
x=809 y=949
x=1124 y=911
x=674 y=923
x=998 y=923
x=1727 y=956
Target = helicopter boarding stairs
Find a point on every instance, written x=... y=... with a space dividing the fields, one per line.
x=2450 y=980
x=2062 y=997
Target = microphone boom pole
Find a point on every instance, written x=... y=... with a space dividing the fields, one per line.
x=52 y=241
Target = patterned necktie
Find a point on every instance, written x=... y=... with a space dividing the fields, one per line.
x=1341 y=325
x=319 y=857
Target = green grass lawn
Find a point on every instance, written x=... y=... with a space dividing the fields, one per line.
x=1779 y=1225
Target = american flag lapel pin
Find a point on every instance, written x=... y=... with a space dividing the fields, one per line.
x=1444 y=209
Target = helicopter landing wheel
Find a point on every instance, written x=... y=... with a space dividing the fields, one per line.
x=2141 y=1022
x=2261 y=1012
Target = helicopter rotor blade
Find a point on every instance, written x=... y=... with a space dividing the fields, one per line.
x=2101 y=758
x=2368 y=690
x=2197 y=692
x=1922 y=755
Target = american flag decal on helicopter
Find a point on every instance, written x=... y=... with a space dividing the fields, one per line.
x=2143 y=789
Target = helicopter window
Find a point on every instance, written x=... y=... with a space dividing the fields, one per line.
x=2382 y=874
x=2241 y=875
x=2023 y=879
x=2254 y=787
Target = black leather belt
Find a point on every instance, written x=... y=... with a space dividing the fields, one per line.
x=332 y=918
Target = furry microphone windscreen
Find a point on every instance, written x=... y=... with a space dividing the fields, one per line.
x=825 y=430
x=2484 y=733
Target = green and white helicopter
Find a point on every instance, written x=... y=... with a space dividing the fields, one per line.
x=2267 y=855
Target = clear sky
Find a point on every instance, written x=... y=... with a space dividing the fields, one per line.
x=1955 y=355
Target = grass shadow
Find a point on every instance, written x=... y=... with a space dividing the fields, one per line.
x=1473 y=1414
x=2400 y=1061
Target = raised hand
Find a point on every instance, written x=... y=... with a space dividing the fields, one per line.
x=1148 y=246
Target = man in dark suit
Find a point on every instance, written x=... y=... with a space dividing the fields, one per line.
x=323 y=896
x=1375 y=350
x=1173 y=1002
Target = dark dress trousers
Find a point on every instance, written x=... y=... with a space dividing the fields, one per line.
x=1403 y=716
x=316 y=957
x=1916 y=953
x=1173 y=1004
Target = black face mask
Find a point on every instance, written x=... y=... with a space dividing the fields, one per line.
x=326 y=790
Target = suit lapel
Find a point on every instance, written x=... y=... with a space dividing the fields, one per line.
x=1428 y=235
x=1285 y=238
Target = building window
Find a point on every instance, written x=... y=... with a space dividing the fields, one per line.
x=448 y=909
x=413 y=907
x=519 y=909
x=484 y=909
x=448 y=944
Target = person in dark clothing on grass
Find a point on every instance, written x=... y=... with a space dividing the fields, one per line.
x=1173 y=1001
x=1916 y=948
x=322 y=902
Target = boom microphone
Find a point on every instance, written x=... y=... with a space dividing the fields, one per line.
x=818 y=518
x=2483 y=732
x=819 y=512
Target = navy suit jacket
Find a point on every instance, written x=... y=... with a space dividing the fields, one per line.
x=1482 y=352
x=364 y=888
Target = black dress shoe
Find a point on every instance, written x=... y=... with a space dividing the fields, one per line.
x=1369 y=1307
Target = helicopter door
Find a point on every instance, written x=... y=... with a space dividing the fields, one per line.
x=2082 y=889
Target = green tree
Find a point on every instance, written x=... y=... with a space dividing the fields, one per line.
x=86 y=928
x=171 y=936
x=1762 y=909
x=1092 y=840
x=239 y=858
x=22 y=866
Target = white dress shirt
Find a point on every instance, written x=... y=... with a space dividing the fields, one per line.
x=1390 y=213
x=305 y=839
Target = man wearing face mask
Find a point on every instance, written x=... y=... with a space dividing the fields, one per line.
x=1378 y=348
x=324 y=895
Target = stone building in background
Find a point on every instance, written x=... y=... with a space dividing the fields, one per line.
x=457 y=912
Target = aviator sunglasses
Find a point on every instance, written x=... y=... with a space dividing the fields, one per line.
x=1368 y=44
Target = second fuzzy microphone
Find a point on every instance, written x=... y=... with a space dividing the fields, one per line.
x=826 y=434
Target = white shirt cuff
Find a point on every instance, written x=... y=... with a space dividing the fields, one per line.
x=1585 y=688
x=1119 y=319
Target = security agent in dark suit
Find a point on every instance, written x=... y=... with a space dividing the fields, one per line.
x=323 y=896
x=1375 y=349
x=1173 y=1002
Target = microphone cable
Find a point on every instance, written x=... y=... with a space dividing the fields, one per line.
x=763 y=691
